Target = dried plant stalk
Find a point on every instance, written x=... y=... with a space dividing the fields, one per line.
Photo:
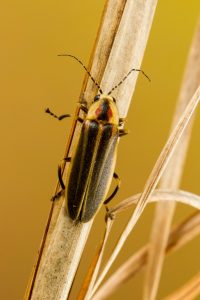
x=189 y=291
x=172 y=176
x=95 y=265
x=153 y=179
x=117 y=50
x=159 y=195
x=180 y=235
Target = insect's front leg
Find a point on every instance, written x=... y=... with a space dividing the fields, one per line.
x=122 y=131
x=121 y=121
x=83 y=103
x=61 y=117
x=84 y=108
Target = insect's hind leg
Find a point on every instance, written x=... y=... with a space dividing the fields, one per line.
x=61 y=192
x=67 y=159
x=115 y=190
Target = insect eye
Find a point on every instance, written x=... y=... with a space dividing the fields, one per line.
x=97 y=97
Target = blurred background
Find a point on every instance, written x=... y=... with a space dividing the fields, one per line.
x=32 y=143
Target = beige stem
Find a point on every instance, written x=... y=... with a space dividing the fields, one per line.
x=172 y=176
x=118 y=49
x=179 y=236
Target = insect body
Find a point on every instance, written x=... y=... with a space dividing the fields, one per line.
x=92 y=167
x=93 y=163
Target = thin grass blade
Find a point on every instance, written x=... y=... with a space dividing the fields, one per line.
x=172 y=176
x=179 y=236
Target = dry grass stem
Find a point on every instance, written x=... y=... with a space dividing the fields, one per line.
x=52 y=219
x=184 y=232
x=117 y=50
x=179 y=236
x=52 y=281
x=172 y=176
x=95 y=265
x=159 y=195
x=189 y=291
x=153 y=180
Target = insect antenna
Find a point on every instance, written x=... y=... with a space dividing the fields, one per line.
x=125 y=77
x=80 y=62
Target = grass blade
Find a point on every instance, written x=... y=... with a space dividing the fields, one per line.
x=159 y=195
x=179 y=236
x=172 y=176
x=189 y=291
x=95 y=265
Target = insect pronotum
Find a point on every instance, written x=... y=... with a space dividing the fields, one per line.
x=93 y=163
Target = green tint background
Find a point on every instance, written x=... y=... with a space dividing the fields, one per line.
x=32 y=77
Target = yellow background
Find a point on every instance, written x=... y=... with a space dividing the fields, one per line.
x=32 y=144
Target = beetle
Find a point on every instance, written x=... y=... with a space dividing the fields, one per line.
x=93 y=163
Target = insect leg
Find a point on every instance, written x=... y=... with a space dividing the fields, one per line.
x=66 y=159
x=60 y=193
x=115 y=190
x=61 y=117
x=82 y=100
x=84 y=108
x=123 y=132
x=81 y=120
x=57 y=195
x=108 y=214
x=121 y=121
